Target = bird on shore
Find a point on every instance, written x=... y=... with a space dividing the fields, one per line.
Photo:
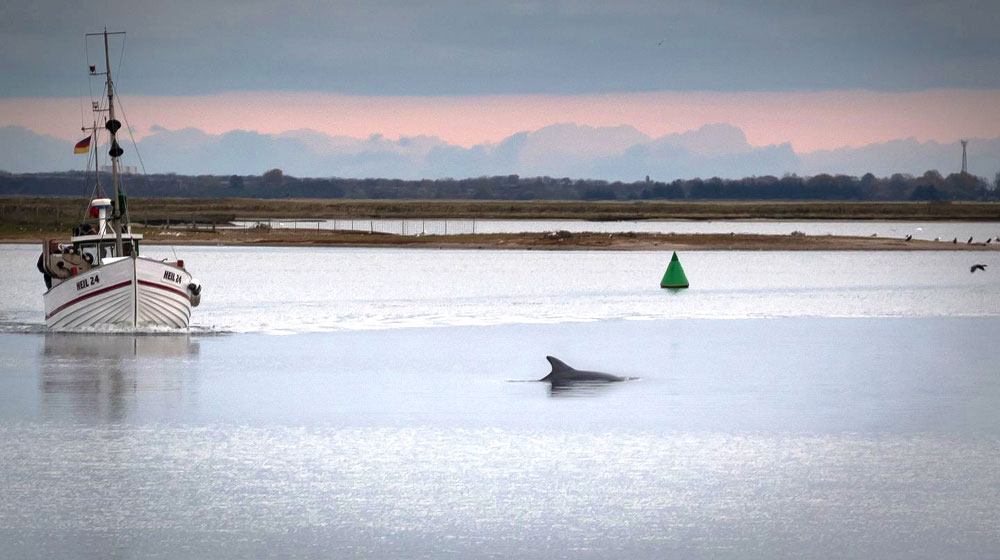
x=909 y=237
x=976 y=267
x=954 y=240
x=969 y=241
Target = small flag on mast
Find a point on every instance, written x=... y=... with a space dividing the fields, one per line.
x=82 y=147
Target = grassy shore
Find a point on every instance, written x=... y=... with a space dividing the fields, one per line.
x=46 y=209
x=30 y=219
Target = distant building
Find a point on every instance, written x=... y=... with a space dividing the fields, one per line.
x=124 y=169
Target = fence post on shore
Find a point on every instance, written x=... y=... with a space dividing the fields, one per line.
x=371 y=226
x=423 y=227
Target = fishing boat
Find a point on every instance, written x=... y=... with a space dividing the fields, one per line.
x=98 y=277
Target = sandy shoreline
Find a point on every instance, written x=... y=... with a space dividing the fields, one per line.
x=180 y=221
x=530 y=241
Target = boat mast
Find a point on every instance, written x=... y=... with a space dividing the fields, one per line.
x=113 y=125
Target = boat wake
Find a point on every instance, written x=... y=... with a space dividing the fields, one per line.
x=142 y=330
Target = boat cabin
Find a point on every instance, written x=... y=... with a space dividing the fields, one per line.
x=93 y=243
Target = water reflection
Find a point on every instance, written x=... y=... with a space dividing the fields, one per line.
x=109 y=378
x=575 y=389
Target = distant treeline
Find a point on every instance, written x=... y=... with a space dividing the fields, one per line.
x=274 y=184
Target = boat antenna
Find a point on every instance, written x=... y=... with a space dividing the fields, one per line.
x=112 y=125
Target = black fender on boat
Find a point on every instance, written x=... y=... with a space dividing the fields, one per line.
x=194 y=291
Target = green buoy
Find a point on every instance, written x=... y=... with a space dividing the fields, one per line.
x=674 y=276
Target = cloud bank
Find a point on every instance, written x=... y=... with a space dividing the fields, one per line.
x=561 y=150
x=809 y=120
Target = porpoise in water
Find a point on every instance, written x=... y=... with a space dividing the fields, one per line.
x=563 y=374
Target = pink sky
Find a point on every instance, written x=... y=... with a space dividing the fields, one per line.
x=809 y=120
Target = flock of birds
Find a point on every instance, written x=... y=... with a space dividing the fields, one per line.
x=955 y=240
x=974 y=267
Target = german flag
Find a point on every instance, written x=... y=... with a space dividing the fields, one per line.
x=82 y=147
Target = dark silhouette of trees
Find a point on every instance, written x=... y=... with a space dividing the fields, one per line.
x=598 y=193
x=275 y=184
x=898 y=185
x=925 y=193
x=274 y=178
x=964 y=186
x=669 y=191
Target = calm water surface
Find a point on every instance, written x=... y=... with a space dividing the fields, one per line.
x=356 y=403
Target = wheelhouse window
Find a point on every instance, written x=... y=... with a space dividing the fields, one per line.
x=99 y=252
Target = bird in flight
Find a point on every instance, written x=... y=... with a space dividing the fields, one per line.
x=976 y=267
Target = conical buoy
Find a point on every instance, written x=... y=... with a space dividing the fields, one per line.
x=674 y=276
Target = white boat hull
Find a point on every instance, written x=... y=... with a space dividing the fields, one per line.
x=129 y=292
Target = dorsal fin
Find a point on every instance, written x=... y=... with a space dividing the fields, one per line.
x=558 y=366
